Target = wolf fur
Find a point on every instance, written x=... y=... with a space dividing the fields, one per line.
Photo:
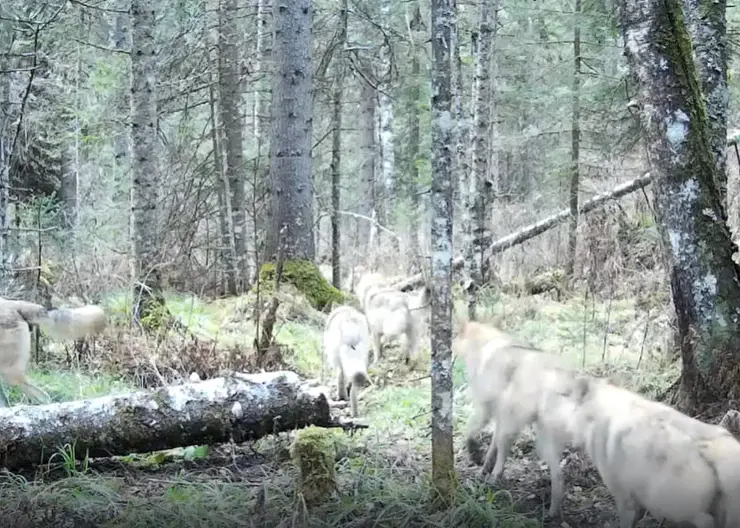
x=654 y=458
x=388 y=315
x=15 y=339
x=346 y=343
x=510 y=382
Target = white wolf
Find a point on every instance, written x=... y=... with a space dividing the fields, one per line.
x=15 y=340
x=509 y=382
x=654 y=458
x=346 y=343
x=388 y=314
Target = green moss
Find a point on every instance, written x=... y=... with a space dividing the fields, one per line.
x=313 y=452
x=307 y=278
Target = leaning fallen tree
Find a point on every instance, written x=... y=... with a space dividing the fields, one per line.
x=532 y=230
x=239 y=407
x=540 y=227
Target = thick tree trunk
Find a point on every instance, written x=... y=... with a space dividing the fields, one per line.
x=443 y=460
x=292 y=125
x=575 y=136
x=145 y=182
x=707 y=23
x=229 y=81
x=414 y=142
x=689 y=201
x=239 y=408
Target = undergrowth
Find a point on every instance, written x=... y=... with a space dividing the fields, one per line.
x=382 y=471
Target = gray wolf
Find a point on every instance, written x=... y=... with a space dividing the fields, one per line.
x=654 y=458
x=346 y=343
x=15 y=340
x=388 y=315
x=509 y=382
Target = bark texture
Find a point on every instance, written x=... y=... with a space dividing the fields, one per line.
x=474 y=202
x=689 y=200
x=443 y=461
x=336 y=149
x=145 y=181
x=242 y=407
x=292 y=125
x=575 y=150
x=229 y=83
x=414 y=140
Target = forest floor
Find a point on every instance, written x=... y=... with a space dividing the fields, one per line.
x=382 y=471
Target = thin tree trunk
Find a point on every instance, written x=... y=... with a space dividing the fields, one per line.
x=475 y=202
x=386 y=119
x=367 y=153
x=575 y=142
x=229 y=78
x=336 y=149
x=292 y=125
x=261 y=126
x=443 y=461
x=228 y=255
x=705 y=281
x=145 y=181
x=414 y=141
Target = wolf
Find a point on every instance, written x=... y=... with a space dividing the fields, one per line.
x=388 y=315
x=510 y=382
x=654 y=458
x=15 y=339
x=346 y=342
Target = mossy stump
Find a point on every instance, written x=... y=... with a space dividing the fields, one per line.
x=313 y=452
x=306 y=277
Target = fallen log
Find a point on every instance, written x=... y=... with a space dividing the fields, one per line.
x=540 y=227
x=239 y=407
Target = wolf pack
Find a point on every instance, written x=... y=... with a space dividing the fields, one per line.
x=650 y=456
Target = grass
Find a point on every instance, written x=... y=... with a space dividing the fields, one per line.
x=382 y=472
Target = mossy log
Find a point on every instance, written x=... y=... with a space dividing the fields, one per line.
x=240 y=407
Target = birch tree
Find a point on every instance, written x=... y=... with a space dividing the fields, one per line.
x=290 y=143
x=705 y=281
x=144 y=181
x=443 y=460
x=386 y=117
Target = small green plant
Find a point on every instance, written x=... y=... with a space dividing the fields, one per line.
x=69 y=460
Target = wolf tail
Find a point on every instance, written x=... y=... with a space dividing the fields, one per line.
x=61 y=323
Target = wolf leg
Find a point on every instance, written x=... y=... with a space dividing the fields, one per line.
x=507 y=429
x=377 y=346
x=341 y=384
x=550 y=450
x=482 y=414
